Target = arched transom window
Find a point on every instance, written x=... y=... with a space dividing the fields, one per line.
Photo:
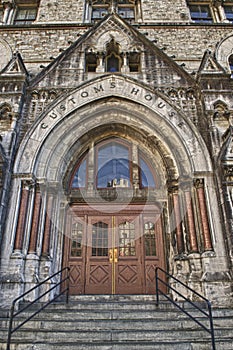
x=113 y=167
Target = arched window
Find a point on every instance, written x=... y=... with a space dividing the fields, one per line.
x=113 y=59
x=231 y=64
x=114 y=167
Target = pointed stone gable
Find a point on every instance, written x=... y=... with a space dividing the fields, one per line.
x=209 y=65
x=15 y=67
x=70 y=68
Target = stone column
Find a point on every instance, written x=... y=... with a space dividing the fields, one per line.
x=8 y=7
x=125 y=66
x=177 y=220
x=100 y=68
x=135 y=168
x=199 y=185
x=87 y=12
x=91 y=168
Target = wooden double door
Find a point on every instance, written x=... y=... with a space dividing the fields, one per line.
x=113 y=254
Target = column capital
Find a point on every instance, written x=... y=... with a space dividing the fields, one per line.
x=198 y=183
x=9 y=3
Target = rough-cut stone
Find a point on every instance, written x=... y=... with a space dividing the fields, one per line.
x=159 y=83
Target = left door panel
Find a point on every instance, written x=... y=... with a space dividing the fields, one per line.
x=75 y=250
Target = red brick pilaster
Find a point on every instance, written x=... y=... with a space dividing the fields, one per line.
x=199 y=184
x=190 y=221
x=35 y=223
x=48 y=225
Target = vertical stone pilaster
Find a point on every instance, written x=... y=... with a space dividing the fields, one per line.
x=35 y=223
x=199 y=185
x=22 y=217
x=47 y=227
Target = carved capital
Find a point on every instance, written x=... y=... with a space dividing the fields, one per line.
x=8 y=3
x=173 y=186
x=198 y=183
x=228 y=173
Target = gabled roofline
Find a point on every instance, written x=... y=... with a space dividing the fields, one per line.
x=135 y=32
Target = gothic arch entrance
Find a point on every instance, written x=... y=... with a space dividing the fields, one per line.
x=114 y=231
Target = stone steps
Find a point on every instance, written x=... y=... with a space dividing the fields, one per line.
x=117 y=323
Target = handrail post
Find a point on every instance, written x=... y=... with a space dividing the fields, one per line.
x=68 y=285
x=211 y=325
x=10 y=326
x=157 y=286
x=13 y=314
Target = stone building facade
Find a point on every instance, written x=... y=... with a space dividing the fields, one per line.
x=116 y=144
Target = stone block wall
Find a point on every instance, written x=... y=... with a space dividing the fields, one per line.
x=61 y=11
x=165 y=11
x=39 y=46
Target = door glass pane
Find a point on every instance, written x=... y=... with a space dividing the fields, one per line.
x=76 y=239
x=127 y=239
x=100 y=239
x=149 y=238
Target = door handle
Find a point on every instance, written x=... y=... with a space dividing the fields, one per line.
x=113 y=255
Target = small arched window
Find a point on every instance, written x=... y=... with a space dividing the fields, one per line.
x=231 y=64
x=113 y=59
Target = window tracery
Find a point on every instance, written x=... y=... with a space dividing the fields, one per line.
x=112 y=59
x=113 y=167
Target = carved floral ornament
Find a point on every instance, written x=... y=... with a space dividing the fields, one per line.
x=228 y=173
x=6 y=111
x=221 y=111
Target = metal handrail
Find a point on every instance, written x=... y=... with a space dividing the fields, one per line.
x=208 y=314
x=13 y=314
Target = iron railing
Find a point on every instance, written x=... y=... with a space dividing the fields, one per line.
x=64 y=281
x=206 y=314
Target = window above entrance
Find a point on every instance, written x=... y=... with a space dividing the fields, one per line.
x=112 y=59
x=130 y=10
x=209 y=11
x=114 y=167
